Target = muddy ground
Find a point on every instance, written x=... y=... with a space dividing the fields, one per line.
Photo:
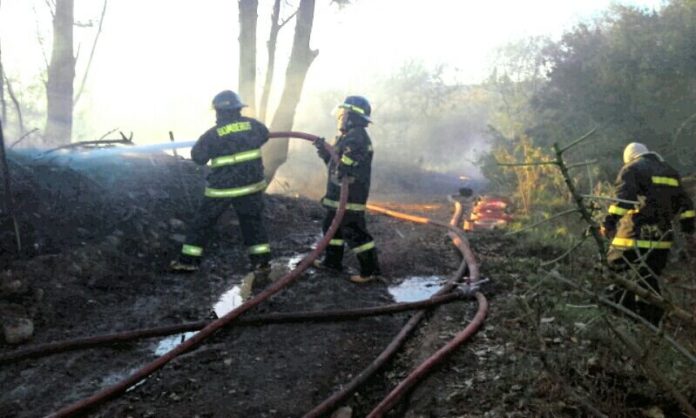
x=97 y=237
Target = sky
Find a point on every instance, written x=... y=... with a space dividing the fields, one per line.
x=159 y=62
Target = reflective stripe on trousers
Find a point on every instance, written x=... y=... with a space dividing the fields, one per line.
x=259 y=249
x=365 y=247
x=192 y=250
x=349 y=206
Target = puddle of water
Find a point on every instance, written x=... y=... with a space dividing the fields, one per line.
x=416 y=288
x=172 y=341
x=229 y=300
x=294 y=261
x=234 y=297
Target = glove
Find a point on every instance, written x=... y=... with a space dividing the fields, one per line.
x=607 y=232
x=319 y=143
x=321 y=149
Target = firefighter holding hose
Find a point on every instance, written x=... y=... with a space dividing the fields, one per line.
x=232 y=149
x=354 y=149
x=639 y=225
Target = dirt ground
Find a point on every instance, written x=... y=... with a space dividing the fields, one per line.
x=97 y=237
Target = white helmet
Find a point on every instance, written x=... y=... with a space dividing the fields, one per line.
x=633 y=151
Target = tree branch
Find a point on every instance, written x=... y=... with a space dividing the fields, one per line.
x=651 y=370
x=91 y=55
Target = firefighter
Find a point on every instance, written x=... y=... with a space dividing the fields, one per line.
x=232 y=149
x=354 y=150
x=639 y=225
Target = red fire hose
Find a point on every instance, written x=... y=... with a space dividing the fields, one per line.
x=468 y=261
x=424 y=368
x=189 y=344
x=41 y=350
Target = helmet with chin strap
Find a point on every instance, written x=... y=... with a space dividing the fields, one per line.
x=358 y=106
x=227 y=100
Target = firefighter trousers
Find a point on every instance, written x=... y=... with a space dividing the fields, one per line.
x=249 y=210
x=351 y=232
x=649 y=264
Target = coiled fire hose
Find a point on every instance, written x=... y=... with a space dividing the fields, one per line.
x=211 y=328
x=468 y=262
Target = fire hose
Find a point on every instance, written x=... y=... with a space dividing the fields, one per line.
x=41 y=350
x=468 y=262
x=211 y=328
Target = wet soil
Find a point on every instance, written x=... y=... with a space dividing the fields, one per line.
x=97 y=237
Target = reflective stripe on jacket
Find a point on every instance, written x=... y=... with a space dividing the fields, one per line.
x=355 y=153
x=660 y=197
x=233 y=148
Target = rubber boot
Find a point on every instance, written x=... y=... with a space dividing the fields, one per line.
x=185 y=264
x=369 y=267
x=333 y=258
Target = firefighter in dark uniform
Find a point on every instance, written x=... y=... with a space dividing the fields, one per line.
x=232 y=149
x=354 y=150
x=639 y=225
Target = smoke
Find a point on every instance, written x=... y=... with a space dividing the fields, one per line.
x=426 y=136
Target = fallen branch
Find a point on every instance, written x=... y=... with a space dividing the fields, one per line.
x=21 y=138
x=656 y=376
x=534 y=225
x=565 y=254
x=604 y=301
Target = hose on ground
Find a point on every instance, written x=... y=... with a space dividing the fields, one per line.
x=41 y=350
x=426 y=366
x=211 y=328
x=349 y=388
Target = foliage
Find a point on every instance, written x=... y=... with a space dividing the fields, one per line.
x=634 y=72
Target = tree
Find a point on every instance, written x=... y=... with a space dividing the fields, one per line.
x=3 y=104
x=301 y=58
x=248 y=16
x=61 y=74
x=276 y=26
x=60 y=91
x=633 y=72
x=3 y=109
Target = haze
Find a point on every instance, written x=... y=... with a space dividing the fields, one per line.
x=159 y=62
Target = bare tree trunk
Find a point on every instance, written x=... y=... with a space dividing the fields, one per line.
x=3 y=115
x=301 y=57
x=18 y=108
x=248 y=15
x=2 y=87
x=270 y=68
x=61 y=74
x=91 y=55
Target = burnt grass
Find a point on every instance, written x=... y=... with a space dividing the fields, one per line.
x=96 y=241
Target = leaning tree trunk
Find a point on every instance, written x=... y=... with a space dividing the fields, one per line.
x=61 y=74
x=270 y=68
x=301 y=57
x=3 y=105
x=248 y=15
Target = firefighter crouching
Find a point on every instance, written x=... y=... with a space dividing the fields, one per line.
x=354 y=149
x=233 y=150
x=640 y=232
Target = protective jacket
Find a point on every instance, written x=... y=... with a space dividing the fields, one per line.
x=658 y=198
x=354 y=149
x=233 y=150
